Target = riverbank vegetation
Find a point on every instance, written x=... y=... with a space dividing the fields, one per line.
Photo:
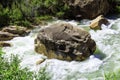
x=12 y=71
x=114 y=6
x=112 y=76
x=27 y=12
x=31 y=12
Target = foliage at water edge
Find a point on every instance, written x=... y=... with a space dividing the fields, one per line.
x=12 y=71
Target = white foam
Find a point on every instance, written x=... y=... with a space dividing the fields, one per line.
x=24 y=47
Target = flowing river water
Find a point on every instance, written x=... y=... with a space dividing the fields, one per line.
x=106 y=58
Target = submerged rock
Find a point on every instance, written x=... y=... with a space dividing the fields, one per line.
x=96 y=23
x=64 y=41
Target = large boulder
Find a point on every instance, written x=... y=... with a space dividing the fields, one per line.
x=16 y=30
x=87 y=8
x=97 y=22
x=64 y=41
x=5 y=36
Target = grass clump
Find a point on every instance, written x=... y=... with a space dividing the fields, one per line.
x=43 y=75
x=112 y=76
x=11 y=70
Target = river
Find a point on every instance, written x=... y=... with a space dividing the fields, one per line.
x=106 y=58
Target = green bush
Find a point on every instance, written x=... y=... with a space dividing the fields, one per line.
x=11 y=70
x=4 y=16
x=57 y=7
x=15 y=14
x=60 y=14
x=24 y=23
x=1 y=52
x=24 y=12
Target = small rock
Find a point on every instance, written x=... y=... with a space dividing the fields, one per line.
x=96 y=23
x=40 y=61
x=4 y=44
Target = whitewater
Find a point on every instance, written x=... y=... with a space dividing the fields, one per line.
x=106 y=59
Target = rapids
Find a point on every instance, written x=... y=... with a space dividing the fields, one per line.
x=106 y=59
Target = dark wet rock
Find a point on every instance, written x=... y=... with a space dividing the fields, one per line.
x=4 y=44
x=64 y=41
x=87 y=8
x=96 y=23
x=5 y=36
x=16 y=30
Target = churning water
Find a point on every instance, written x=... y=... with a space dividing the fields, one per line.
x=106 y=59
